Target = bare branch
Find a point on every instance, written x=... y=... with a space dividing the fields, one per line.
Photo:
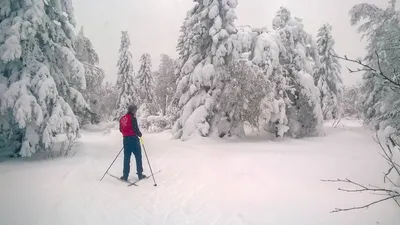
x=367 y=68
x=392 y=194
x=363 y=188
x=391 y=181
x=366 y=206
x=358 y=62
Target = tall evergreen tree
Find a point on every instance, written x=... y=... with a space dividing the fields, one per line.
x=94 y=75
x=328 y=77
x=40 y=78
x=109 y=96
x=165 y=84
x=205 y=53
x=125 y=81
x=351 y=101
x=380 y=89
x=145 y=80
x=183 y=49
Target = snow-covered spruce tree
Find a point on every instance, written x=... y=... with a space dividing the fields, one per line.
x=381 y=86
x=351 y=102
x=165 y=83
x=146 y=93
x=327 y=75
x=145 y=80
x=266 y=53
x=94 y=75
x=381 y=82
x=127 y=89
x=106 y=104
x=39 y=77
x=212 y=47
x=299 y=58
x=183 y=48
x=242 y=94
x=380 y=90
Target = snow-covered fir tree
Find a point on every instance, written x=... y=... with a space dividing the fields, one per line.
x=243 y=94
x=127 y=89
x=208 y=47
x=106 y=104
x=288 y=57
x=94 y=75
x=183 y=48
x=328 y=76
x=351 y=101
x=165 y=83
x=40 y=77
x=299 y=58
x=145 y=80
x=381 y=100
x=381 y=81
x=266 y=52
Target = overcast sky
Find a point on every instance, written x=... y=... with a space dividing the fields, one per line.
x=154 y=25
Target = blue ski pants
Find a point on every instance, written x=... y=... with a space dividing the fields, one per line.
x=132 y=146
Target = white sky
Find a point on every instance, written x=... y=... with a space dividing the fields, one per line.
x=154 y=25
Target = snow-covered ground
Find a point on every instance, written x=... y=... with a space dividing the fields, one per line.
x=206 y=182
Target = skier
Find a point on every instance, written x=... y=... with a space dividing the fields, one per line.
x=129 y=128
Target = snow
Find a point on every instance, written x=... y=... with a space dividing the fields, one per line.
x=11 y=49
x=389 y=131
x=32 y=139
x=267 y=50
x=233 y=3
x=214 y=11
x=102 y=126
x=3 y=89
x=252 y=181
x=196 y=122
x=77 y=68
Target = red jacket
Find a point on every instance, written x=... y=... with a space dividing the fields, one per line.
x=128 y=126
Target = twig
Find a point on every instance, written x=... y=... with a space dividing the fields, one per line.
x=366 y=206
x=393 y=194
x=388 y=158
x=363 y=188
x=356 y=61
x=367 y=68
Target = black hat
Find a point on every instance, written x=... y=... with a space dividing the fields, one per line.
x=132 y=109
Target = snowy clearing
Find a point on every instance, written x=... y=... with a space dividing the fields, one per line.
x=251 y=181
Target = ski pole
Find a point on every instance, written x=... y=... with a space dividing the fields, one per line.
x=112 y=163
x=144 y=149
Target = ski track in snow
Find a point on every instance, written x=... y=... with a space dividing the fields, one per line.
x=250 y=181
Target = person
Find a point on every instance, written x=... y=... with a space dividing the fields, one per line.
x=129 y=128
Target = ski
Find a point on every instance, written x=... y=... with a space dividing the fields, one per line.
x=130 y=183
x=135 y=182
